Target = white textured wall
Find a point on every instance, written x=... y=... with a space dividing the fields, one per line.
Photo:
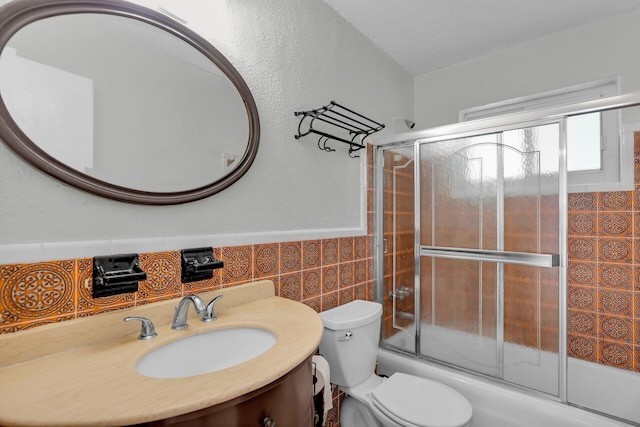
x=294 y=55
x=605 y=49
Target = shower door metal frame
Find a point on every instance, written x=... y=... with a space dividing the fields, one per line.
x=499 y=256
x=542 y=260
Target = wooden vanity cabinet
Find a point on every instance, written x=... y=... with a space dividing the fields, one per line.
x=286 y=402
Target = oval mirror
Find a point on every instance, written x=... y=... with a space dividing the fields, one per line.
x=122 y=101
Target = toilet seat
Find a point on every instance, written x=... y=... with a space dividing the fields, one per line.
x=418 y=402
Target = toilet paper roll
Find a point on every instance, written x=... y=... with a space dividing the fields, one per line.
x=322 y=373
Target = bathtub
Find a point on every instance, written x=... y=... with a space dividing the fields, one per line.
x=498 y=405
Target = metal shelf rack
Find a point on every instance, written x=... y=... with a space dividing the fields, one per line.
x=326 y=121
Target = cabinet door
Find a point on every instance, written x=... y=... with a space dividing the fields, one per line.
x=286 y=402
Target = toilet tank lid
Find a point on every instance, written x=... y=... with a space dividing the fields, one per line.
x=351 y=315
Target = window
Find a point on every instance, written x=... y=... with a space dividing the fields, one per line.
x=599 y=157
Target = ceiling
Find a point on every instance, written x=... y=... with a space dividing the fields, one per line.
x=424 y=35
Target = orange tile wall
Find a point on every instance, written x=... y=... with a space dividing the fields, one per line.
x=603 y=275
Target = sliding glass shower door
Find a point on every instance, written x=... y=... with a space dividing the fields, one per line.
x=485 y=245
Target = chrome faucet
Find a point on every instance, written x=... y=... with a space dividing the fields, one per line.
x=209 y=315
x=180 y=316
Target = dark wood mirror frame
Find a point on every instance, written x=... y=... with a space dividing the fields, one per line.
x=19 y=13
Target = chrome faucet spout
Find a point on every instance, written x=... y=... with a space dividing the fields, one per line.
x=180 y=315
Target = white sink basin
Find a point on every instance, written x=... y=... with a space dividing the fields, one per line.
x=205 y=353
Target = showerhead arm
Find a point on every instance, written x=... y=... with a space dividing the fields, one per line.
x=407 y=122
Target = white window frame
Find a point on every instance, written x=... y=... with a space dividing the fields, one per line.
x=617 y=152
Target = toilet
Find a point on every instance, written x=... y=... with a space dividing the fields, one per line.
x=350 y=344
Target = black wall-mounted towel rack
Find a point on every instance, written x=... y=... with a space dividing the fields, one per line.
x=335 y=117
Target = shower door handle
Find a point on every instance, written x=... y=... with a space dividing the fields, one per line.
x=506 y=257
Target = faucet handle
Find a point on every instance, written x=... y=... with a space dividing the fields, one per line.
x=148 y=331
x=209 y=314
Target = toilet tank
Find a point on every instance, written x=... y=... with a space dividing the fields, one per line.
x=350 y=341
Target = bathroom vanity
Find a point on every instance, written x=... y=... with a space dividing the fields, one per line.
x=83 y=372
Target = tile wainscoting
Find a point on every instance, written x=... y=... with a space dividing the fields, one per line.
x=320 y=273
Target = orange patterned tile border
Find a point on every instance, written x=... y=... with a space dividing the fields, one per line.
x=39 y=293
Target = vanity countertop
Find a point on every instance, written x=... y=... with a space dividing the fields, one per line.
x=82 y=372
